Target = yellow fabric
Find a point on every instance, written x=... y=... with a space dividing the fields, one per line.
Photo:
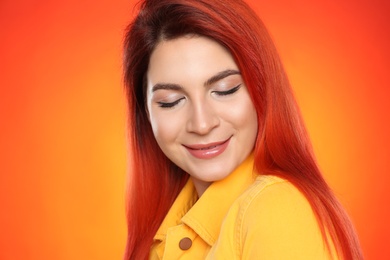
x=244 y=216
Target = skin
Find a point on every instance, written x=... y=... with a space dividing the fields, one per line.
x=196 y=98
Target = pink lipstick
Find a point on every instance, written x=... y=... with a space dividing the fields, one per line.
x=207 y=151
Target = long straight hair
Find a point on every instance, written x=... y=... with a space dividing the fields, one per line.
x=282 y=146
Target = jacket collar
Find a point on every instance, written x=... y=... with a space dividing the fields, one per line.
x=205 y=216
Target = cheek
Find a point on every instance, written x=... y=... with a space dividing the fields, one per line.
x=165 y=129
x=242 y=115
x=251 y=119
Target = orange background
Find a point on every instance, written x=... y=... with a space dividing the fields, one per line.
x=62 y=113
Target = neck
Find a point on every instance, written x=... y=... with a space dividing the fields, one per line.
x=200 y=186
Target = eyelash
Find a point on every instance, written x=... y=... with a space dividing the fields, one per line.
x=170 y=104
x=219 y=93
x=228 y=92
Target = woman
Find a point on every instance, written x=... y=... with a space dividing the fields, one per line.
x=222 y=164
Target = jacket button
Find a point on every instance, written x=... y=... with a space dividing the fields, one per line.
x=185 y=243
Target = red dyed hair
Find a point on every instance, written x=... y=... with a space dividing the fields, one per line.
x=282 y=147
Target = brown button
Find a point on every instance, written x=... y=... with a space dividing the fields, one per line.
x=185 y=243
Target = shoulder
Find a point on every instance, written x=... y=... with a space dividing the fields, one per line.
x=275 y=220
x=272 y=196
x=274 y=201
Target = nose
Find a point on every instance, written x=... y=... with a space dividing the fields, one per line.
x=202 y=119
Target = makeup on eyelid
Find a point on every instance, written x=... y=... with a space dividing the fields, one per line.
x=169 y=101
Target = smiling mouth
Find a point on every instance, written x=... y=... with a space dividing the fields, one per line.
x=207 y=151
x=206 y=148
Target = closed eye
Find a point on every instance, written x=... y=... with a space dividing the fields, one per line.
x=169 y=104
x=228 y=92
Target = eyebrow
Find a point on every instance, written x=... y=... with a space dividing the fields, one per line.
x=221 y=75
x=217 y=77
x=167 y=86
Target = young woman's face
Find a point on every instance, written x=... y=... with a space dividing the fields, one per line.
x=199 y=108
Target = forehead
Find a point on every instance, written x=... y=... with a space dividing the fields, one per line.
x=188 y=58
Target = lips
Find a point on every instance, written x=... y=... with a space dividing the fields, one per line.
x=207 y=151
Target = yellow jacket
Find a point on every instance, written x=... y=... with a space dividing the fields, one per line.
x=244 y=216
